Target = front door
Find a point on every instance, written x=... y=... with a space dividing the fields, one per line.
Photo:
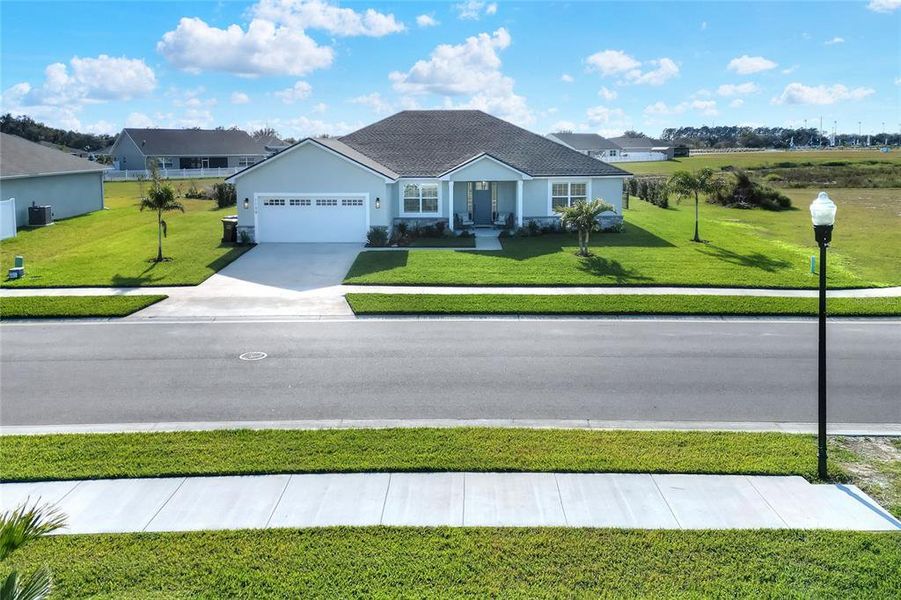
x=481 y=203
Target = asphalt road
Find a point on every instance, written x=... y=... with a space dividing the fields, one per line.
x=600 y=369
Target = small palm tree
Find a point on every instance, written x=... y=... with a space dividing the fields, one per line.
x=161 y=199
x=18 y=527
x=582 y=216
x=687 y=184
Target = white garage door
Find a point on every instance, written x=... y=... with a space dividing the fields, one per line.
x=311 y=218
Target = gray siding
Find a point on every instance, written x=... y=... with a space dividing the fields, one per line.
x=535 y=194
x=127 y=155
x=310 y=169
x=69 y=195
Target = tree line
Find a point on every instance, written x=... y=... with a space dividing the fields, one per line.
x=26 y=127
x=736 y=136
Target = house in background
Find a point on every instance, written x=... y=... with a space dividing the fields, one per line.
x=644 y=148
x=592 y=144
x=186 y=149
x=34 y=174
x=459 y=167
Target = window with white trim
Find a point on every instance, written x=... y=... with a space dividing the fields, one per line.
x=165 y=162
x=351 y=202
x=565 y=193
x=274 y=202
x=420 y=198
x=246 y=161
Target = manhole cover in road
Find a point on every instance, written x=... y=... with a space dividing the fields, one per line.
x=253 y=356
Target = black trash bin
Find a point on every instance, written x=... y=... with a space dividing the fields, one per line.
x=230 y=229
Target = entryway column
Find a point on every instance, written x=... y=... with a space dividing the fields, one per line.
x=450 y=204
x=519 y=202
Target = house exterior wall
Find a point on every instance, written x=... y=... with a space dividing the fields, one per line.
x=312 y=169
x=127 y=155
x=536 y=194
x=70 y=195
x=485 y=169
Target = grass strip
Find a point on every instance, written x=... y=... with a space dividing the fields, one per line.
x=625 y=304
x=474 y=563
x=230 y=452
x=452 y=242
x=47 y=307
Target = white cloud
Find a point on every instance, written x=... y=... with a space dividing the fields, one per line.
x=426 y=21
x=320 y=107
x=566 y=78
x=617 y=62
x=703 y=25
x=301 y=127
x=101 y=127
x=471 y=68
x=602 y=115
x=607 y=95
x=611 y=62
x=263 y=49
x=660 y=108
x=741 y=89
x=834 y=41
x=706 y=107
x=745 y=65
x=299 y=91
x=374 y=101
x=798 y=93
x=884 y=6
x=474 y=9
x=737 y=103
x=790 y=70
x=317 y=14
x=563 y=126
x=239 y=98
x=138 y=120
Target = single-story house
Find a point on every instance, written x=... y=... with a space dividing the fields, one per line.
x=592 y=144
x=644 y=148
x=462 y=167
x=186 y=148
x=34 y=174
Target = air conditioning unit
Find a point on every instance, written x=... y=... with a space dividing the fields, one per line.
x=40 y=215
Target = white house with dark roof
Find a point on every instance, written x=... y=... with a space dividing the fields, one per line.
x=590 y=144
x=186 y=149
x=463 y=167
x=35 y=174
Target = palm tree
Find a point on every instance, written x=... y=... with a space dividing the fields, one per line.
x=582 y=216
x=161 y=199
x=687 y=184
x=18 y=527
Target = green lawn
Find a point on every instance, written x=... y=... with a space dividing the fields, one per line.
x=381 y=562
x=443 y=242
x=92 y=456
x=745 y=160
x=746 y=248
x=38 y=307
x=113 y=247
x=573 y=304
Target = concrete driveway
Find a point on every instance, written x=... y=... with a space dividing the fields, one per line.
x=269 y=280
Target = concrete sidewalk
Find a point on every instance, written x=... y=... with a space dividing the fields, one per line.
x=455 y=499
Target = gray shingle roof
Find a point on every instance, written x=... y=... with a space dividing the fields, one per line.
x=631 y=143
x=342 y=148
x=427 y=143
x=586 y=141
x=19 y=157
x=195 y=142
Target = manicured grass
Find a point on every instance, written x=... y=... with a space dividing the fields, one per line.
x=746 y=248
x=746 y=160
x=43 y=307
x=113 y=247
x=573 y=304
x=90 y=456
x=382 y=562
x=453 y=242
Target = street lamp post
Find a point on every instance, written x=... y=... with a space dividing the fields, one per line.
x=822 y=213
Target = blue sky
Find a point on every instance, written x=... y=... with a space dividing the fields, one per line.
x=308 y=67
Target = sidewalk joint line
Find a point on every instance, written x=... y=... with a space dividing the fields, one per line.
x=385 y=500
x=665 y=501
x=164 y=503
x=767 y=502
x=560 y=498
x=279 y=501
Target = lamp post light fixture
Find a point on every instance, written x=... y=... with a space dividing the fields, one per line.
x=822 y=213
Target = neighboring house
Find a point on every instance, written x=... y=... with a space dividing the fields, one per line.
x=34 y=174
x=424 y=166
x=644 y=148
x=592 y=144
x=186 y=148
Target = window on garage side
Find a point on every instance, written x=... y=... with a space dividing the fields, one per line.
x=420 y=198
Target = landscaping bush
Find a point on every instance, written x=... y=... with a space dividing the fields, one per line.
x=225 y=194
x=195 y=193
x=377 y=237
x=440 y=226
x=533 y=228
x=653 y=190
x=400 y=234
x=740 y=191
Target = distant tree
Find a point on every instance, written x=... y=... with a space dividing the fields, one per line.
x=161 y=199
x=582 y=216
x=686 y=184
x=634 y=134
x=264 y=133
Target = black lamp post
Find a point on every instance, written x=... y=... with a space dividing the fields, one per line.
x=822 y=213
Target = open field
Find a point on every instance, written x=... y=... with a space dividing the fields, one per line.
x=745 y=160
x=383 y=562
x=114 y=247
x=46 y=307
x=583 y=304
x=746 y=248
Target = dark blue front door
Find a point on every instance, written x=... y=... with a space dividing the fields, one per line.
x=481 y=206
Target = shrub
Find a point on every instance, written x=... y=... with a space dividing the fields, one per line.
x=533 y=228
x=195 y=193
x=377 y=237
x=741 y=191
x=440 y=226
x=225 y=194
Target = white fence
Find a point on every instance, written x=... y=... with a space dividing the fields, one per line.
x=136 y=174
x=7 y=218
